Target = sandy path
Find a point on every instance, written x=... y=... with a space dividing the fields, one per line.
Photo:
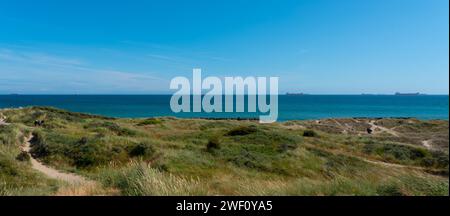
x=373 y=127
x=344 y=128
x=2 y=121
x=50 y=172
x=371 y=161
x=388 y=164
x=427 y=144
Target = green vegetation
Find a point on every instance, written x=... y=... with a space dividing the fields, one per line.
x=309 y=133
x=149 y=121
x=213 y=143
x=170 y=156
x=242 y=130
x=407 y=154
x=16 y=175
x=23 y=156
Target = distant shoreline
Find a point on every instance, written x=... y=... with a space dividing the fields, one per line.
x=281 y=94
x=289 y=107
x=217 y=118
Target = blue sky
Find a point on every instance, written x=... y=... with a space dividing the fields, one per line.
x=137 y=47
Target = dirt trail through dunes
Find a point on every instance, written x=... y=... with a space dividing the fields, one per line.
x=50 y=172
x=427 y=144
x=2 y=121
x=373 y=127
x=371 y=161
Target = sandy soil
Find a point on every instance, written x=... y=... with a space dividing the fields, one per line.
x=427 y=144
x=376 y=128
x=2 y=121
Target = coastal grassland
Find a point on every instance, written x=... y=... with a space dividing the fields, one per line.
x=171 y=156
x=16 y=175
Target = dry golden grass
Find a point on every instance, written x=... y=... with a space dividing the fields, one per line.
x=86 y=189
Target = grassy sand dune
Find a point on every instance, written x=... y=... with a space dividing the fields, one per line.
x=170 y=156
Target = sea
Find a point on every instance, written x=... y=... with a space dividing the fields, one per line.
x=290 y=107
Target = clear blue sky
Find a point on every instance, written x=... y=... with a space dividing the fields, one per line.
x=316 y=46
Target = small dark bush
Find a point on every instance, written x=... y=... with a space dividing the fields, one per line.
x=437 y=159
x=83 y=141
x=142 y=149
x=160 y=166
x=213 y=143
x=89 y=154
x=23 y=156
x=284 y=147
x=309 y=133
x=242 y=130
x=39 y=148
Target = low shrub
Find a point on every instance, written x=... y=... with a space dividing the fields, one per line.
x=242 y=130
x=149 y=121
x=310 y=133
x=83 y=141
x=39 y=147
x=142 y=149
x=213 y=143
x=437 y=159
x=113 y=127
x=89 y=155
x=23 y=156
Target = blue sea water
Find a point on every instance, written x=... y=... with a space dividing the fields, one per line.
x=291 y=107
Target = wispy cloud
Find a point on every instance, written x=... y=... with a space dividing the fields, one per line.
x=37 y=58
x=182 y=55
x=161 y=57
x=36 y=71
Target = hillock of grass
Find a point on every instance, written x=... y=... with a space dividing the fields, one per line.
x=112 y=127
x=408 y=154
x=242 y=131
x=149 y=121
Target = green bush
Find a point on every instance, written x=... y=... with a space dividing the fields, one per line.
x=309 y=133
x=83 y=141
x=23 y=156
x=242 y=130
x=213 y=143
x=150 y=121
x=39 y=147
x=142 y=149
x=408 y=154
x=437 y=159
x=89 y=155
x=113 y=127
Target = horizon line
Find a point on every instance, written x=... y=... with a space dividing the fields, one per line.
x=168 y=94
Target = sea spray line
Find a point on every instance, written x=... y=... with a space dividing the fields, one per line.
x=255 y=87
